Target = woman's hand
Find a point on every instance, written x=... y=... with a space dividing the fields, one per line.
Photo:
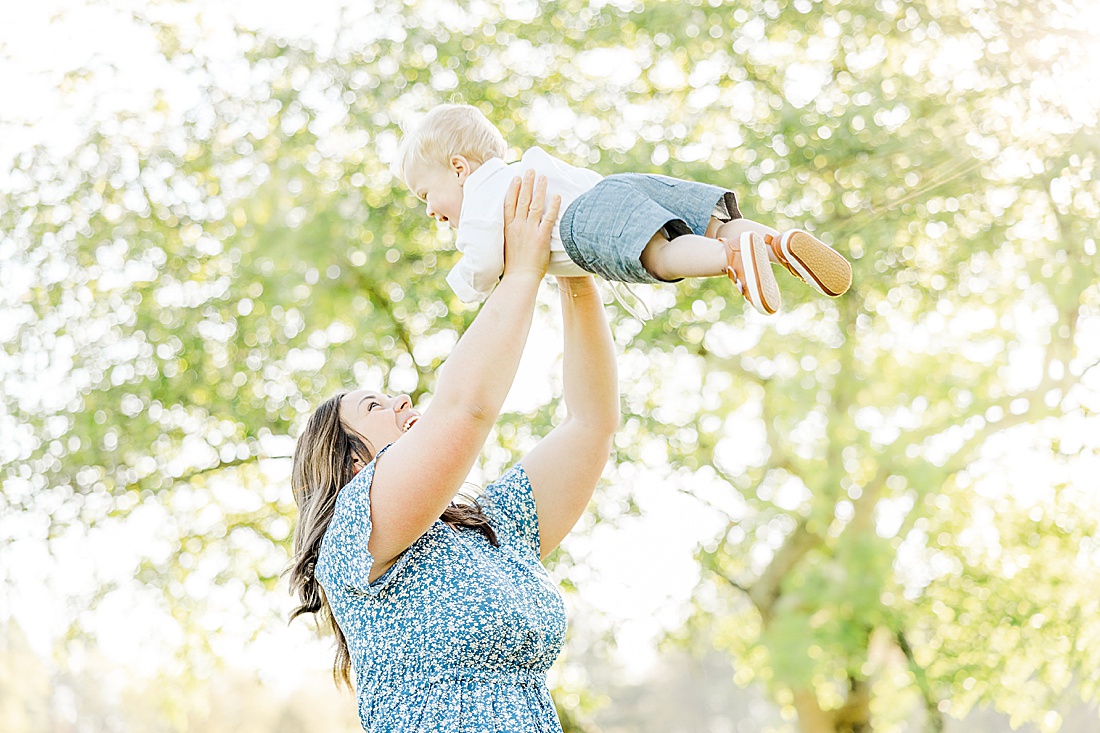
x=527 y=226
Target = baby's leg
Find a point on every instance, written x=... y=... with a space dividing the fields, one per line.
x=691 y=255
x=688 y=255
x=745 y=261
x=734 y=228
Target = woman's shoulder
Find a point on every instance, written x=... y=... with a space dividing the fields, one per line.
x=509 y=503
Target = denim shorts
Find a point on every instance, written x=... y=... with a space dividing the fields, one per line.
x=606 y=228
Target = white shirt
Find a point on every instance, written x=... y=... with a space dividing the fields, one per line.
x=480 y=235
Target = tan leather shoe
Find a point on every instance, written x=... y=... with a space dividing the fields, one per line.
x=812 y=261
x=748 y=266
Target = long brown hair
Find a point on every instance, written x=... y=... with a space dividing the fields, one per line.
x=324 y=462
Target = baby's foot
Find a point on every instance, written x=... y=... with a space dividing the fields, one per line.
x=748 y=266
x=811 y=260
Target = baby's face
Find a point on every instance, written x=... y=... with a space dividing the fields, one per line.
x=440 y=188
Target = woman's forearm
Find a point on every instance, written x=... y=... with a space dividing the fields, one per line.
x=566 y=465
x=591 y=383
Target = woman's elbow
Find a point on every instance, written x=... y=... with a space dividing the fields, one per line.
x=602 y=425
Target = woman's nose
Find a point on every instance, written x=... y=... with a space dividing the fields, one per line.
x=401 y=401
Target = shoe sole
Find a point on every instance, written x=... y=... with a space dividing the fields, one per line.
x=820 y=265
x=763 y=290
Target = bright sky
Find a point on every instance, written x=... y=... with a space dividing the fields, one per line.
x=639 y=575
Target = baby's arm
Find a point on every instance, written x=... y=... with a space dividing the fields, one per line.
x=482 y=263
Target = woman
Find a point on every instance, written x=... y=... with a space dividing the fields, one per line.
x=445 y=613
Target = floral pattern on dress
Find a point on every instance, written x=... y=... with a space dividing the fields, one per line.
x=457 y=635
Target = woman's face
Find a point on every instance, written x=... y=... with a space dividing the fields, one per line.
x=377 y=418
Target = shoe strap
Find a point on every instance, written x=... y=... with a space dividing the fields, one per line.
x=735 y=268
x=642 y=312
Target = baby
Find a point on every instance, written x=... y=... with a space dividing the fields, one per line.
x=628 y=227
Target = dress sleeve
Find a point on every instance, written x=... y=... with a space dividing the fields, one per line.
x=344 y=562
x=477 y=273
x=509 y=502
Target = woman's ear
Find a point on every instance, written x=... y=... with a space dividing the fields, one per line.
x=357 y=464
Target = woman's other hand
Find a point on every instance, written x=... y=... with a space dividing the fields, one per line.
x=528 y=224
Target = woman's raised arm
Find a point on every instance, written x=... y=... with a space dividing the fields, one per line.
x=422 y=472
x=565 y=466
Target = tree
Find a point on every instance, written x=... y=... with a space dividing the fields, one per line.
x=200 y=273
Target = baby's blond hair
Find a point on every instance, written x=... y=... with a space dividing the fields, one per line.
x=448 y=130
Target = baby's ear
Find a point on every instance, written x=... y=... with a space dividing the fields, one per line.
x=461 y=167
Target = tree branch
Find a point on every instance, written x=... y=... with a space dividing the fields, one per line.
x=383 y=304
x=765 y=592
x=1088 y=369
x=733 y=583
x=931 y=705
x=863 y=508
x=188 y=476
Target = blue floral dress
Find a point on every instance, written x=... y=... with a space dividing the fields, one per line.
x=457 y=635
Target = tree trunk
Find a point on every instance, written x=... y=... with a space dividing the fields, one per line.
x=811 y=718
x=853 y=717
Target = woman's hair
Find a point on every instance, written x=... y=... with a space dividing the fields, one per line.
x=324 y=462
x=448 y=130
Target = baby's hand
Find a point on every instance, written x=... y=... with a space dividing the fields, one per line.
x=527 y=227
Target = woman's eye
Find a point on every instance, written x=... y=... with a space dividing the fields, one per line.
x=372 y=405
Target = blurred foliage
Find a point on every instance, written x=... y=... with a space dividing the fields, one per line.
x=183 y=285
